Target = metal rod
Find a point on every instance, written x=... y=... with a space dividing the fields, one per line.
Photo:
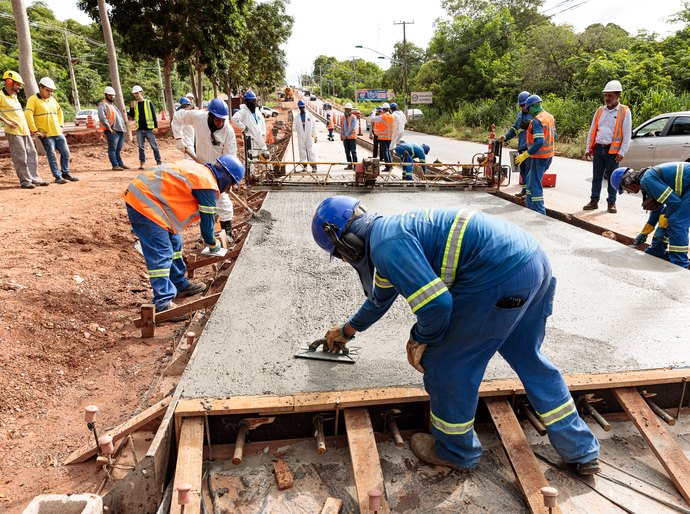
x=208 y=437
x=682 y=397
x=595 y=414
x=532 y=417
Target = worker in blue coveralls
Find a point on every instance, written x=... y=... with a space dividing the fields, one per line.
x=659 y=246
x=408 y=152
x=664 y=184
x=519 y=129
x=541 y=139
x=478 y=285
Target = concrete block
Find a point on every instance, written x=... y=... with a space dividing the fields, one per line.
x=65 y=504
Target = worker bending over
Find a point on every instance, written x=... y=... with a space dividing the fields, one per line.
x=162 y=202
x=408 y=152
x=664 y=184
x=657 y=222
x=478 y=285
x=303 y=125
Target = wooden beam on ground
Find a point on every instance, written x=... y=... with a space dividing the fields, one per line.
x=148 y=326
x=525 y=465
x=195 y=305
x=660 y=440
x=332 y=506
x=190 y=453
x=366 y=465
x=121 y=431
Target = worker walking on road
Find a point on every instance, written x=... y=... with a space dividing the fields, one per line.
x=408 y=152
x=162 y=202
x=398 y=126
x=112 y=124
x=215 y=137
x=303 y=125
x=330 y=126
x=445 y=262
x=664 y=184
x=45 y=118
x=22 y=148
x=249 y=120
x=143 y=113
x=519 y=129
x=348 y=135
x=541 y=138
x=607 y=143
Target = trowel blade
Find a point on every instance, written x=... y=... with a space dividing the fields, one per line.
x=320 y=355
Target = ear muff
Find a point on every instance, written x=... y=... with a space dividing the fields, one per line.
x=350 y=247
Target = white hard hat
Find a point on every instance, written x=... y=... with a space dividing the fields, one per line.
x=137 y=89
x=189 y=95
x=108 y=91
x=613 y=86
x=348 y=105
x=385 y=105
x=47 y=82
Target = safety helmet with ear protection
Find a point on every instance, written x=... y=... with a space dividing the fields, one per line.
x=329 y=227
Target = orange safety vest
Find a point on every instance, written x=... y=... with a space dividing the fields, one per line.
x=164 y=195
x=384 y=129
x=110 y=115
x=549 y=126
x=330 y=125
x=617 y=140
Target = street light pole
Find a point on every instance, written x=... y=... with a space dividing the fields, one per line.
x=354 y=83
x=404 y=24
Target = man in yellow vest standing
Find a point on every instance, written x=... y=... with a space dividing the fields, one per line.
x=143 y=113
x=607 y=143
x=45 y=118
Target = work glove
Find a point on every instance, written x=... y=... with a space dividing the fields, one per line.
x=641 y=238
x=266 y=155
x=663 y=221
x=214 y=248
x=414 y=354
x=524 y=124
x=180 y=145
x=521 y=158
x=501 y=138
x=650 y=204
x=336 y=338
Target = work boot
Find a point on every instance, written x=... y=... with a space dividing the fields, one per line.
x=69 y=177
x=588 y=468
x=60 y=180
x=313 y=168
x=348 y=167
x=521 y=194
x=117 y=168
x=28 y=186
x=179 y=317
x=141 y=165
x=422 y=446
x=227 y=227
x=191 y=289
x=612 y=208
x=40 y=183
x=593 y=204
x=124 y=167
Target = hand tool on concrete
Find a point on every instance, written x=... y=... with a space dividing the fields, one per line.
x=344 y=354
x=389 y=416
x=220 y=253
x=245 y=426
x=586 y=401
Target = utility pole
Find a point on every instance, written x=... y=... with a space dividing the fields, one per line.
x=404 y=24
x=160 y=81
x=70 y=64
x=354 y=82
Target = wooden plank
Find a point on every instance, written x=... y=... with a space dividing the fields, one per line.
x=190 y=453
x=524 y=463
x=366 y=465
x=148 y=313
x=235 y=405
x=130 y=426
x=196 y=305
x=283 y=475
x=660 y=440
x=332 y=506
x=309 y=402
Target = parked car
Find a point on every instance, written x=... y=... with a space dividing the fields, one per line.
x=268 y=112
x=664 y=138
x=312 y=98
x=82 y=117
x=415 y=114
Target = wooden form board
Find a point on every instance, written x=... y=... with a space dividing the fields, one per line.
x=195 y=305
x=190 y=454
x=130 y=426
x=318 y=401
x=525 y=465
x=660 y=440
x=366 y=465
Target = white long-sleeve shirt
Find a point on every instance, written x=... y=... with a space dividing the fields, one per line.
x=206 y=150
x=254 y=124
x=606 y=126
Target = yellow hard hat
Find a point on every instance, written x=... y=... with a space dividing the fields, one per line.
x=9 y=74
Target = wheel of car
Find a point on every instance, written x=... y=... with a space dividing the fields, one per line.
x=274 y=114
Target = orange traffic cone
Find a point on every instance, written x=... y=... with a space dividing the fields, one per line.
x=162 y=115
x=89 y=122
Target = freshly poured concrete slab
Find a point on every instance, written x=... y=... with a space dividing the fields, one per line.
x=616 y=309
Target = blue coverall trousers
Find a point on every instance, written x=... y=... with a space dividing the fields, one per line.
x=163 y=255
x=677 y=232
x=524 y=169
x=479 y=328
x=535 y=191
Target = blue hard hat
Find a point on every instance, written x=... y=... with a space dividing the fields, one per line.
x=184 y=101
x=336 y=210
x=394 y=105
x=218 y=108
x=233 y=166
x=301 y=103
x=522 y=97
x=379 y=108
x=534 y=99
x=617 y=178
x=426 y=149
x=249 y=95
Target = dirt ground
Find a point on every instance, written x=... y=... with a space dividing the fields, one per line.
x=70 y=284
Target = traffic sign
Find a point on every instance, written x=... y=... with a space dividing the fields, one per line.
x=422 y=97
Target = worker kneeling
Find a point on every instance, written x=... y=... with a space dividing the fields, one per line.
x=478 y=285
x=162 y=202
x=408 y=152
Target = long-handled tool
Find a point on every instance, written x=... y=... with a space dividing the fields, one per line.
x=344 y=354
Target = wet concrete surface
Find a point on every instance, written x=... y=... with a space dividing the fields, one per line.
x=616 y=309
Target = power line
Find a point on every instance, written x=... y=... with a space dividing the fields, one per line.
x=57 y=29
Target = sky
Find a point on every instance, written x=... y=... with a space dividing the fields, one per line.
x=334 y=28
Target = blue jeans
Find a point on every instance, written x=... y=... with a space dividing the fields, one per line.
x=478 y=329
x=534 y=199
x=58 y=143
x=350 y=146
x=163 y=255
x=115 y=141
x=603 y=164
x=148 y=135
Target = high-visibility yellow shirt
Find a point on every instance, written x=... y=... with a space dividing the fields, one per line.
x=11 y=110
x=44 y=115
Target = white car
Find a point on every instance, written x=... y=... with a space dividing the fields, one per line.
x=414 y=114
x=268 y=112
x=82 y=117
x=664 y=138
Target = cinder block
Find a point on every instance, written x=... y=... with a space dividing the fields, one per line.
x=65 y=504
